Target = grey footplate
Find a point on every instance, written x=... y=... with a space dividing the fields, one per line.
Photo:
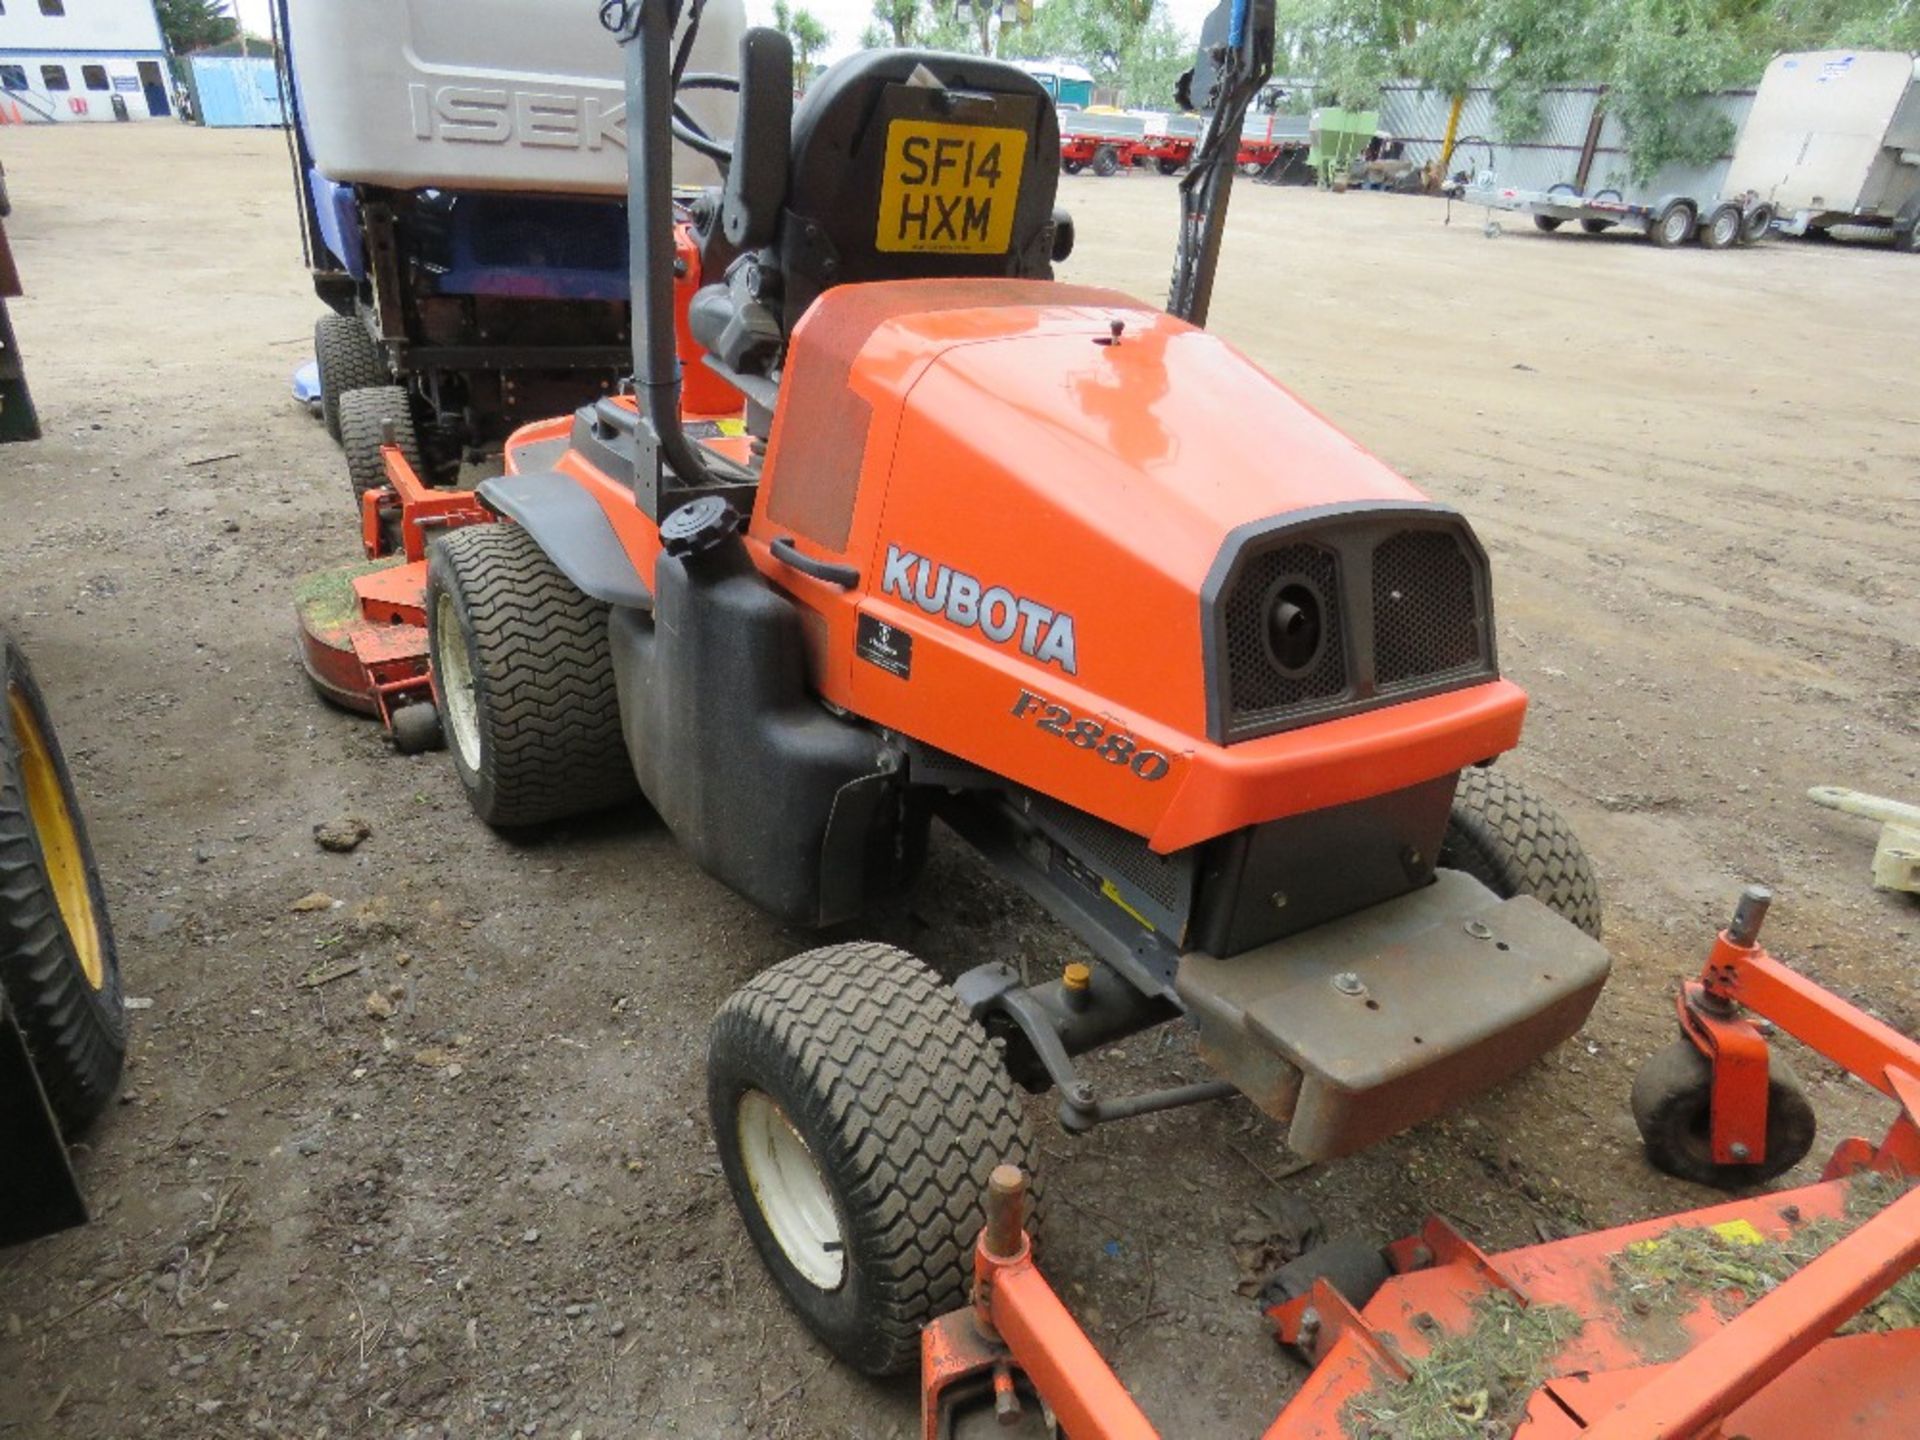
x=1456 y=990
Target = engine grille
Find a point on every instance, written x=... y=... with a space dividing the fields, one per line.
x=1259 y=684
x=1405 y=609
x=1113 y=852
x=1426 y=615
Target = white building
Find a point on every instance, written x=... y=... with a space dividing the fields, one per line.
x=72 y=59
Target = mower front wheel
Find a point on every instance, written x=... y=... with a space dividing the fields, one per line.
x=1673 y=1107
x=1514 y=843
x=523 y=679
x=364 y=418
x=858 y=1110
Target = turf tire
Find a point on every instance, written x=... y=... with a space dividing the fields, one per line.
x=544 y=741
x=905 y=1108
x=364 y=415
x=75 y=1029
x=348 y=360
x=1514 y=843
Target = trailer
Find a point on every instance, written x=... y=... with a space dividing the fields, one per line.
x=1833 y=140
x=1108 y=143
x=1719 y=223
x=461 y=169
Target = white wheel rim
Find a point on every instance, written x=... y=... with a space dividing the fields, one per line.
x=455 y=678
x=790 y=1191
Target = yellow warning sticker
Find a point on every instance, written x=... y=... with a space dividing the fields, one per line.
x=949 y=189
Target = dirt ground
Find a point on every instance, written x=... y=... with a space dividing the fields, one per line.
x=498 y=1212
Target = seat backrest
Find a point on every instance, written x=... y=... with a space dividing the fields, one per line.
x=909 y=164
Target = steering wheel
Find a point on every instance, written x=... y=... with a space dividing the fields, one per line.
x=689 y=131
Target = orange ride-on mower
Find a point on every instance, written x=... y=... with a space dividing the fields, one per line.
x=1066 y=571
x=1777 y=1317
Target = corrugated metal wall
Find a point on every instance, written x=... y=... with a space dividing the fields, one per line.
x=230 y=91
x=1418 y=117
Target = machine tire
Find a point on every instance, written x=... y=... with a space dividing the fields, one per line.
x=1168 y=167
x=1514 y=843
x=1909 y=238
x=416 y=729
x=1672 y=1101
x=1547 y=224
x=58 y=963
x=527 y=698
x=1671 y=229
x=348 y=360
x=895 y=1110
x=1354 y=1268
x=1106 y=161
x=1722 y=230
x=1600 y=227
x=1073 y=167
x=1755 y=224
x=363 y=418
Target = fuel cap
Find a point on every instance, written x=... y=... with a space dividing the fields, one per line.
x=698 y=526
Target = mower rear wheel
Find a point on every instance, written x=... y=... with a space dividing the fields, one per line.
x=1514 y=843
x=858 y=1109
x=58 y=964
x=364 y=416
x=523 y=679
x=348 y=360
x=1673 y=1106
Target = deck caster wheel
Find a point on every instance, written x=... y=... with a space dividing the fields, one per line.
x=58 y=964
x=858 y=1111
x=1514 y=843
x=1353 y=1267
x=416 y=728
x=1672 y=1105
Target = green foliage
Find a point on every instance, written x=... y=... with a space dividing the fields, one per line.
x=191 y=25
x=901 y=19
x=1658 y=58
x=1129 y=45
x=804 y=29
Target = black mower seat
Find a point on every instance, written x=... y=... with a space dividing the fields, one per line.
x=897 y=165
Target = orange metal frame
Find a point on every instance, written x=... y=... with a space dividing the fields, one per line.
x=1771 y=1373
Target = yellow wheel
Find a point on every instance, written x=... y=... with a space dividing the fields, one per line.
x=57 y=958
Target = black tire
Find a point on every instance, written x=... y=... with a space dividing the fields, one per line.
x=58 y=963
x=1073 y=167
x=1722 y=230
x=1674 y=226
x=1514 y=843
x=1908 y=239
x=1672 y=1105
x=1600 y=227
x=364 y=416
x=1106 y=161
x=872 y=1063
x=348 y=360
x=1755 y=224
x=523 y=679
x=416 y=729
x=1168 y=167
x=1547 y=223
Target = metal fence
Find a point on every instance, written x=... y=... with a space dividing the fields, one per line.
x=1552 y=156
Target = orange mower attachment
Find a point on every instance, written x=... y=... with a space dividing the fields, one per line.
x=1775 y=1317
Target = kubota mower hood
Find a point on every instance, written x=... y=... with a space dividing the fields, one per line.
x=1100 y=513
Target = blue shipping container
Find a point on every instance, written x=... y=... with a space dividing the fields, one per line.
x=234 y=92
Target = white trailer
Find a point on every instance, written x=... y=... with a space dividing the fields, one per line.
x=1833 y=139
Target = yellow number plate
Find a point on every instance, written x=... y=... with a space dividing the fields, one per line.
x=949 y=189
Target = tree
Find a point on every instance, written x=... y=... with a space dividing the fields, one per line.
x=901 y=19
x=804 y=29
x=1659 y=59
x=191 y=25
